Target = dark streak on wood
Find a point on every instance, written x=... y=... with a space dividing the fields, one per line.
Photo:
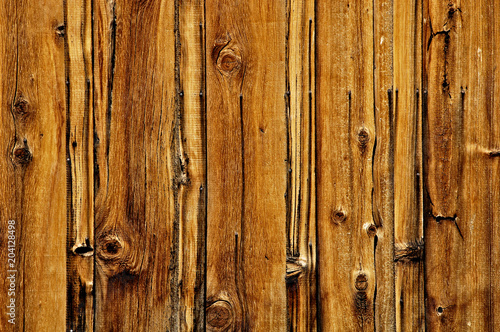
x=111 y=79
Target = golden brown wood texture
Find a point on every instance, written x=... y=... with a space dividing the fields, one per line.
x=221 y=165
x=351 y=193
x=150 y=201
x=246 y=152
x=301 y=192
x=33 y=164
x=383 y=165
x=408 y=218
x=77 y=31
x=460 y=156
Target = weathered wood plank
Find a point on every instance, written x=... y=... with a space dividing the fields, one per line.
x=383 y=165
x=246 y=234
x=192 y=148
x=77 y=31
x=408 y=232
x=458 y=55
x=134 y=54
x=345 y=143
x=33 y=164
x=301 y=192
x=150 y=167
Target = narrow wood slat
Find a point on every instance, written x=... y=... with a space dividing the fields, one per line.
x=33 y=163
x=192 y=148
x=150 y=169
x=408 y=233
x=301 y=192
x=345 y=147
x=77 y=31
x=458 y=110
x=383 y=164
x=246 y=211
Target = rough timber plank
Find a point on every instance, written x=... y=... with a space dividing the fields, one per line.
x=345 y=147
x=150 y=171
x=33 y=163
x=77 y=31
x=246 y=124
x=301 y=192
x=458 y=164
x=408 y=218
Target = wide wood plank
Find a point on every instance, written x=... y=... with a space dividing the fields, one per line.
x=345 y=146
x=33 y=165
x=301 y=192
x=246 y=130
x=458 y=164
x=150 y=168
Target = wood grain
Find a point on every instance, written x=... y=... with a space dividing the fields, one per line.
x=288 y=165
x=33 y=163
x=408 y=198
x=383 y=201
x=301 y=192
x=150 y=199
x=345 y=148
x=77 y=34
x=458 y=164
x=246 y=152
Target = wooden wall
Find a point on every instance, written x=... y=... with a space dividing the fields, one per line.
x=230 y=165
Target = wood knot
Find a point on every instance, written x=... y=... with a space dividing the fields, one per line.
x=361 y=283
x=227 y=57
x=21 y=155
x=338 y=216
x=229 y=61
x=363 y=138
x=439 y=310
x=220 y=315
x=21 y=107
x=370 y=229
x=111 y=247
x=295 y=267
x=60 y=30
x=412 y=251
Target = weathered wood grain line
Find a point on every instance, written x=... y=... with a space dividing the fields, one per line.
x=150 y=165
x=77 y=34
x=494 y=177
x=33 y=163
x=246 y=129
x=345 y=147
x=408 y=233
x=301 y=210
x=458 y=76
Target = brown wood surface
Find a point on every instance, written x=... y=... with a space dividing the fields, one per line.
x=408 y=218
x=346 y=136
x=217 y=165
x=246 y=153
x=460 y=155
x=301 y=191
x=33 y=163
